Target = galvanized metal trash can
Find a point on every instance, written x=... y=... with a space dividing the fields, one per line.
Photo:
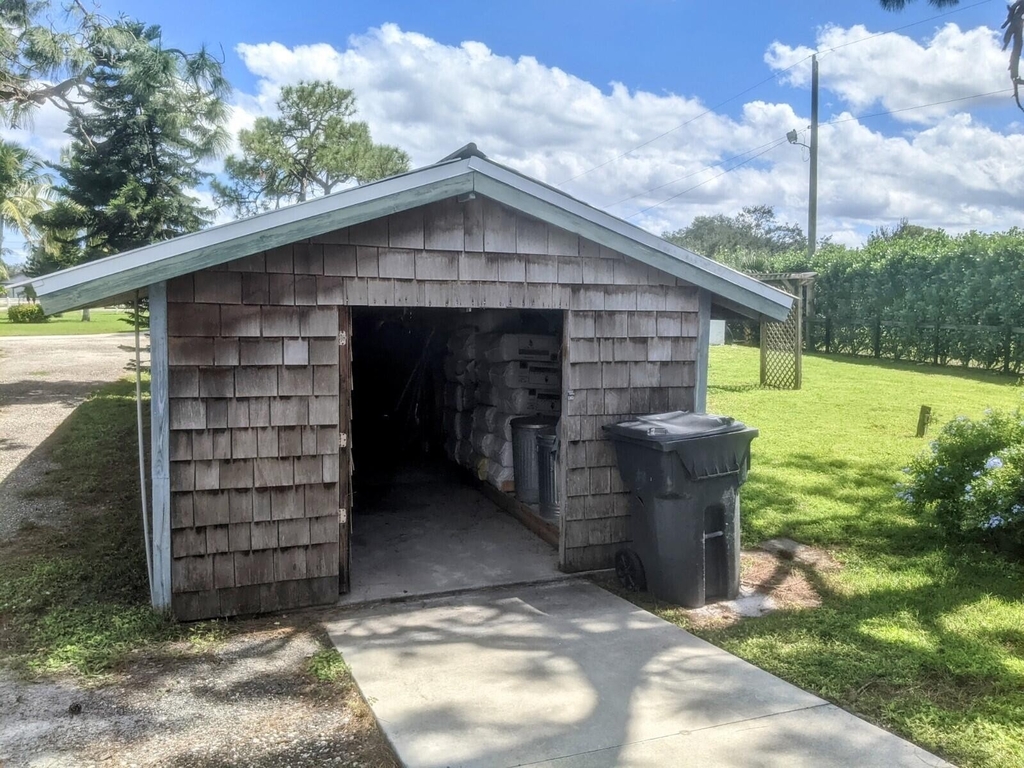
x=547 y=458
x=524 y=455
x=684 y=471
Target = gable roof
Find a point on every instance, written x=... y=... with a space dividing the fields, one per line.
x=467 y=170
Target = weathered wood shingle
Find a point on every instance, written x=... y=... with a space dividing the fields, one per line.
x=256 y=407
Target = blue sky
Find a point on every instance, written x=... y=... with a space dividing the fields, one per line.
x=555 y=88
x=710 y=50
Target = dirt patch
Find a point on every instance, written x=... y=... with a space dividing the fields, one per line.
x=783 y=578
x=247 y=700
x=769 y=581
x=787 y=582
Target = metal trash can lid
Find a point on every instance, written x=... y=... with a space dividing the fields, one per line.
x=534 y=422
x=673 y=427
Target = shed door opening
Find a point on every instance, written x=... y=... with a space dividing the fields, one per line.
x=431 y=450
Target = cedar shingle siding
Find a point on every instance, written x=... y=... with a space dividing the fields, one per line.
x=256 y=402
x=254 y=447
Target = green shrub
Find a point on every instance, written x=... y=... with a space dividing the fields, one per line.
x=972 y=479
x=26 y=313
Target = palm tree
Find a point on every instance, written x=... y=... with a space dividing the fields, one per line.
x=24 y=192
x=1013 y=35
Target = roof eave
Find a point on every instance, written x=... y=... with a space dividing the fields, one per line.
x=95 y=281
x=742 y=292
x=92 y=283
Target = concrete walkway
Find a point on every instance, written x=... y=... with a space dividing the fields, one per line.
x=572 y=676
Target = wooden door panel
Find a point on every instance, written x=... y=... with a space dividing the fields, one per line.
x=345 y=448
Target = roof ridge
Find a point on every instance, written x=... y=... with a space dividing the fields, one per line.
x=464 y=153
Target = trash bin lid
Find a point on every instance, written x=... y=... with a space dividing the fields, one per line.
x=673 y=427
x=541 y=422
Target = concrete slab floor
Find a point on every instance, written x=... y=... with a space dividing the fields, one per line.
x=569 y=675
x=426 y=532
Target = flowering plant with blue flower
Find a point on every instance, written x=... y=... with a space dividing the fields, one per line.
x=972 y=478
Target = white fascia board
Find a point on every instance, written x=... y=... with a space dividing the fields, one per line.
x=98 y=280
x=564 y=211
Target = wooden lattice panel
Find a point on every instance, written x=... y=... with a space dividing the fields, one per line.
x=781 y=352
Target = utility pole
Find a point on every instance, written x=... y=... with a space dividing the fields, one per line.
x=812 y=200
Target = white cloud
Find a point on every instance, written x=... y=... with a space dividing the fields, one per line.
x=42 y=131
x=942 y=169
x=430 y=98
x=892 y=70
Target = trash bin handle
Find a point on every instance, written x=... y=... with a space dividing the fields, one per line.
x=729 y=472
x=719 y=474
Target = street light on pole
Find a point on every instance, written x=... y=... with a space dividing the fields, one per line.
x=794 y=138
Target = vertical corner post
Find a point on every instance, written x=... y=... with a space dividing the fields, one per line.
x=700 y=392
x=160 y=446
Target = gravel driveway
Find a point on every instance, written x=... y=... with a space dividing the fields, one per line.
x=43 y=379
x=246 y=701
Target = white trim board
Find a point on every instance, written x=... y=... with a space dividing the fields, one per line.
x=468 y=171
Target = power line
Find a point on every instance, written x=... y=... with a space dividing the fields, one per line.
x=774 y=145
x=778 y=142
x=920 y=106
x=707 y=111
x=689 y=175
x=958 y=9
x=758 y=84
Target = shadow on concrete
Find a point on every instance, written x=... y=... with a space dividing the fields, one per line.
x=569 y=672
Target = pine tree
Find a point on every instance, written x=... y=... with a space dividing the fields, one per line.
x=313 y=148
x=152 y=115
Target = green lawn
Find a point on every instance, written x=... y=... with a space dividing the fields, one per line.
x=76 y=597
x=103 y=321
x=924 y=639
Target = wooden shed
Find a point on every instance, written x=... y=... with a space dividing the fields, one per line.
x=252 y=360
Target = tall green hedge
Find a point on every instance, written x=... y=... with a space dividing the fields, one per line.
x=957 y=299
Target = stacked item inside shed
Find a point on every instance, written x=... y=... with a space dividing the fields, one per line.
x=460 y=395
x=492 y=379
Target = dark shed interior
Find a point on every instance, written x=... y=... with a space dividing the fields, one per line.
x=416 y=509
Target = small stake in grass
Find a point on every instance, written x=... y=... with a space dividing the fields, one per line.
x=924 y=420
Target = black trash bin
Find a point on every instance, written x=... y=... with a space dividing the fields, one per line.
x=684 y=471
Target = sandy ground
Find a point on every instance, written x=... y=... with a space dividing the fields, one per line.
x=246 y=701
x=43 y=379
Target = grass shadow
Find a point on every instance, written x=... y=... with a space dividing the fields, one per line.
x=732 y=387
x=950 y=371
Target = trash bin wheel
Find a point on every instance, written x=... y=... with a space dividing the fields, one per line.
x=629 y=570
